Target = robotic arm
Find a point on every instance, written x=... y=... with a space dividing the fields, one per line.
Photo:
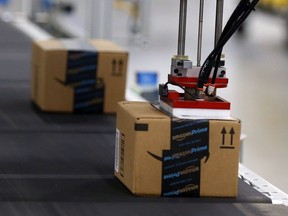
x=200 y=82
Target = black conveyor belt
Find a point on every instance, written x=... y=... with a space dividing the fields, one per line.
x=59 y=164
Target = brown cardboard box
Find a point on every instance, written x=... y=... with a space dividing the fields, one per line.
x=156 y=155
x=51 y=89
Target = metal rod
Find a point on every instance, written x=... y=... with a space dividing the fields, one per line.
x=200 y=33
x=219 y=20
x=182 y=28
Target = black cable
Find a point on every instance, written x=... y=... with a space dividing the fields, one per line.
x=217 y=63
x=184 y=89
x=228 y=31
x=231 y=31
x=239 y=15
x=236 y=13
x=240 y=7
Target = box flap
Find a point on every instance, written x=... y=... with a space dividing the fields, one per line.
x=51 y=45
x=77 y=44
x=107 y=46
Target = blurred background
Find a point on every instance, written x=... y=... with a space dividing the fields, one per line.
x=256 y=58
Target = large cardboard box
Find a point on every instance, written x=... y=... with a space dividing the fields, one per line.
x=158 y=155
x=78 y=76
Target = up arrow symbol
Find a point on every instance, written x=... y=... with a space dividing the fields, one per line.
x=232 y=132
x=114 y=64
x=223 y=132
x=120 y=66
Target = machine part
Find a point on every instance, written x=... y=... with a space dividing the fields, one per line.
x=218 y=32
x=194 y=71
x=189 y=93
x=200 y=33
x=180 y=67
x=180 y=64
x=182 y=28
x=180 y=72
x=198 y=83
x=163 y=90
x=210 y=90
x=276 y=195
x=186 y=64
x=219 y=109
x=219 y=20
x=191 y=82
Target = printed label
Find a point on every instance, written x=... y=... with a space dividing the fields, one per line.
x=117 y=140
x=181 y=165
x=81 y=66
x=89 y=98
x=81 y=75
x=122 y=154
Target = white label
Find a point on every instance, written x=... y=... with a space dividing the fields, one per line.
x=117 y=153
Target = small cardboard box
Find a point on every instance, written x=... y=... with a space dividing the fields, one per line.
x=78 y=76
x=158 y=155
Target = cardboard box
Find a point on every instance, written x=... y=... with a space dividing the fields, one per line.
x=78 y=76
x=157 y=155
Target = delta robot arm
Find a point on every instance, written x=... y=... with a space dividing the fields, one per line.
x=199 y=83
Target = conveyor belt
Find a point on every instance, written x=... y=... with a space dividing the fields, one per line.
x=18 y=113
x=59 y=164
x=46 y=166
x=138 y=209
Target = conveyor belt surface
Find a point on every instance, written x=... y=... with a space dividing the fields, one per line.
x=59 y=164
x=74 y=167
x=138 y=209
x=19 y=114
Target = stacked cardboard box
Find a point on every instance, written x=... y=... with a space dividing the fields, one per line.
x=160 y=155
x=78 y=76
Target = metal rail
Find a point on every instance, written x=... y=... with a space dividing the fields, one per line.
x=182 y=28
